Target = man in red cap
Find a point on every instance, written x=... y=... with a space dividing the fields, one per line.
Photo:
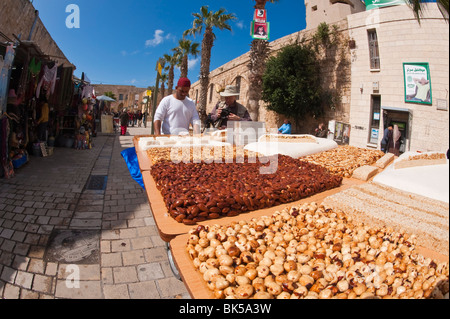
x=176 y=112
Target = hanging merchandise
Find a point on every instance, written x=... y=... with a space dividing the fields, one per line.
x=48 y=80
x=1 y=62
x=6 y=166
x=5 y=74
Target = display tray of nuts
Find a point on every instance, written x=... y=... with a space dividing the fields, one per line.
x=307 y=252
x=191 y=154
x=195 y=192
x=288 y=138
x=169 y=228
x=343 y=160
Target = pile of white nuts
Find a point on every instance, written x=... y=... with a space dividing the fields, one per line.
x=312 y=252
x=344 y=160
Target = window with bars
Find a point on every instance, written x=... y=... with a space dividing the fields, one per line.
x=373 y=49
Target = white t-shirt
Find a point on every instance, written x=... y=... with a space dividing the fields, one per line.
x=176 y=115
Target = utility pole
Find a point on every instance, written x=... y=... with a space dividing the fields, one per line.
x=159 y=68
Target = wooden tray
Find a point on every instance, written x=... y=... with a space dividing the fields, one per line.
x=169 y=228
x=196 y=286
x=143 y=159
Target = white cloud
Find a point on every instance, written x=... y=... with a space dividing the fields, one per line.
x=193 y=63
x=240 y=24
x=158 y=38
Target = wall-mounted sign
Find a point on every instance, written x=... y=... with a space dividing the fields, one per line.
x=260 y=30
x=374 y=4
x=260 y=15
x=417 y=83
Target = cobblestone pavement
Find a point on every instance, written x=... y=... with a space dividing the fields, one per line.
x=53 y=212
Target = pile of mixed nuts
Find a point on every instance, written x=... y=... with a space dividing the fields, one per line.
x=312 y=252
x=344 y=160
x=195 y=192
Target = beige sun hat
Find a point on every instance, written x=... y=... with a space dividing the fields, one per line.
x=230 y=90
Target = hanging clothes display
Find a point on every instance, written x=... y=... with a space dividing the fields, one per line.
x=48 y=80
x=6 y=167
x=1 y=62
x=5 y=74
x=34 y=69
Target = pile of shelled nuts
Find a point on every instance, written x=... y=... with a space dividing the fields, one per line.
x=289 y=139
x=191 y=154
x=195 y=192
x=344 y=160
x=312 y=252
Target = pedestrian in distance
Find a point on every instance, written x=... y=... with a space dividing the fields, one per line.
x=286 y=128
x=321 y=131
x=124 y=121
x=387 y=138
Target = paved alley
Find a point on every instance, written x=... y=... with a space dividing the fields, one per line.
x=82 y=207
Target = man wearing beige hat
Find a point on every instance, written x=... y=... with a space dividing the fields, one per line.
x=230 y=109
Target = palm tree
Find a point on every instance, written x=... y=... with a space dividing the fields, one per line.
x=173 y=61
x=259 y=53
x=163 y=78
x=417 y=7
x=206 y=21
x=185 y=48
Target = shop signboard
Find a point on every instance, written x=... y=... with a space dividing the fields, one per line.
x=417 y=83
x=260 y=30
x=374 y=4
x=260 y=15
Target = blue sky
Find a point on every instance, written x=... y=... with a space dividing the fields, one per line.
x=119 y=42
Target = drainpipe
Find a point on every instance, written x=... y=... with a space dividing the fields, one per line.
x=36 y=12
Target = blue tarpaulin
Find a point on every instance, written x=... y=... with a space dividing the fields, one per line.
x=130 y=157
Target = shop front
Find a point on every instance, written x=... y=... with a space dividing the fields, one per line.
x=403 y=119
x=36 y=91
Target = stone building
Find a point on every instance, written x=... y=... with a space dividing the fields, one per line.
x=371 y=95
x=18 y=18
x=127 y=96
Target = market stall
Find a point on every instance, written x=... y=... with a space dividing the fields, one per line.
x=256 y=254
x=34 y=89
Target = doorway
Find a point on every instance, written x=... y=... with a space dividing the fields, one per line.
x=403 y=119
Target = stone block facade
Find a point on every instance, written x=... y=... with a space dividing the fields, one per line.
x=335 y=71
x=127 y=96
x=17 y=18
x=401 y=39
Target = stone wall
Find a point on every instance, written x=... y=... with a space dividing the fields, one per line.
x=17 y=18
x=128 y=93
x=335 y=74
x=401 y=39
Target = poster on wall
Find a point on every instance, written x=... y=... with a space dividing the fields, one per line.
x=374 y=4
x=417 y=83
x=260 y=30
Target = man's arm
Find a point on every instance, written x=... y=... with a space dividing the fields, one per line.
x=157 y=124
x=214 y=114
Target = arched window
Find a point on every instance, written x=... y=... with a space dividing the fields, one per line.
x=238 y=85
x=211 y=92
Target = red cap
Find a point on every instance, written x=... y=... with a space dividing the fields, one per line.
x=184 y=82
